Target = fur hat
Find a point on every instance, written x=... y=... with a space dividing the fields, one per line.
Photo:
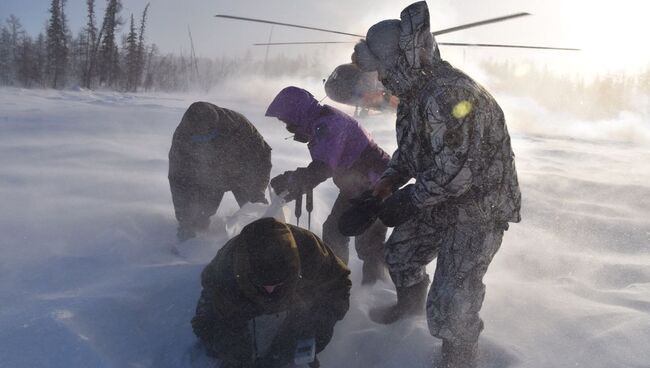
x=381 y=46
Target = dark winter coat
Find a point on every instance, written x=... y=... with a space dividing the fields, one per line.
x=219 y=149
x=229 y=301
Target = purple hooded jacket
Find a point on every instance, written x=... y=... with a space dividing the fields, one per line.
x=334 y=137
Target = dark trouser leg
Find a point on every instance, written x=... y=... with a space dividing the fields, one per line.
x=251 y=187
x=193 y=206
x=210 y=199
x=338 y=242
x=370 y=248
x=251 y=190
x=457 y=291
x=241 y=196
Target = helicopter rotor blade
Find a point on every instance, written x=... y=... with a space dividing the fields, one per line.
x=435 y=33
x=507 y=46
x=439 y=43
x=301 y=43
x=480 y=23
x=285 y=24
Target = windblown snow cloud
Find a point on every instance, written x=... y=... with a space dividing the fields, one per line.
x=88 y=278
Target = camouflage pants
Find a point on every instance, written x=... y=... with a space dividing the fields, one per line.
x=464 y=253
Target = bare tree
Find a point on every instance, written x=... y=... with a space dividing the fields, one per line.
x=25 y=62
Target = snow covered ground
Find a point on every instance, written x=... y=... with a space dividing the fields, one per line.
x=87 y=278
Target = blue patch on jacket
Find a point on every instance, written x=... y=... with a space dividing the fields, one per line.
x=205 y=138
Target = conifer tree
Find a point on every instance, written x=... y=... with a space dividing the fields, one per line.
x=6 y=63
x=57 y=48
x=90 y=34
x=109 y=70
x=141 y=44
x=132 y=59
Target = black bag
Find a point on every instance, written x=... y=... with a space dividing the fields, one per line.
x=363 y=213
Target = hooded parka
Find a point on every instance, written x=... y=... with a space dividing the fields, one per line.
x=453 y=140
x=313 y=293
x=215 y=150
x=342 y=149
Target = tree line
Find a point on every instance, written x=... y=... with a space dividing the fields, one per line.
x=99 y=56
x=113 y=54
x=91 y=58
x=603 y=96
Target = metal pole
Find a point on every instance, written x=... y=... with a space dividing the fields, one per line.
x=298 y=210
x=309 y=205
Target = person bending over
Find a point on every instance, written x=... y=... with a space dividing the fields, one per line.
x=214 y=150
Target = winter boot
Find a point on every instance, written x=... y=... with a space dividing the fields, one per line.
x=458 y=355
x=373 y=271
x=410 y=302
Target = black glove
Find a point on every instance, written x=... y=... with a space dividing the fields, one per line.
x=363 y=213
x=287 y=182
x=303 y=179
x=280 y=183
x=399 y=207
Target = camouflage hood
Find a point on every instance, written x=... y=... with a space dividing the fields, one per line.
x=403 y=51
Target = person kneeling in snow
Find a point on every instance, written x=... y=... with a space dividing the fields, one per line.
x=270 y=296
x=341 y=149
x=214 y=150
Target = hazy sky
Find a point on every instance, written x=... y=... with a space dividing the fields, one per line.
x=612 y=33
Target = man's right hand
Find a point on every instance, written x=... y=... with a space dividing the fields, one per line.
x=280 y=183
x=383 y=188
x=290 y=183
x=361 y=214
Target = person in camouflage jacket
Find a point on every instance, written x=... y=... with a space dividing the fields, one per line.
x=214 y=150
x=453 y=140
x=268 y=288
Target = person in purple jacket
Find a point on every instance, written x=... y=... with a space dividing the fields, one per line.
x=341 y=149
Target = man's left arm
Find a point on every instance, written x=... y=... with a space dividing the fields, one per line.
x=331 y=300
x=320 y=305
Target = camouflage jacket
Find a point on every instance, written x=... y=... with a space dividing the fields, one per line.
x=451 y=133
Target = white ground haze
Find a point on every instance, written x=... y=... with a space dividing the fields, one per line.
x=87 y=278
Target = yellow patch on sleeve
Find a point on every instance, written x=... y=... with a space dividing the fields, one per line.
x=462 y=109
